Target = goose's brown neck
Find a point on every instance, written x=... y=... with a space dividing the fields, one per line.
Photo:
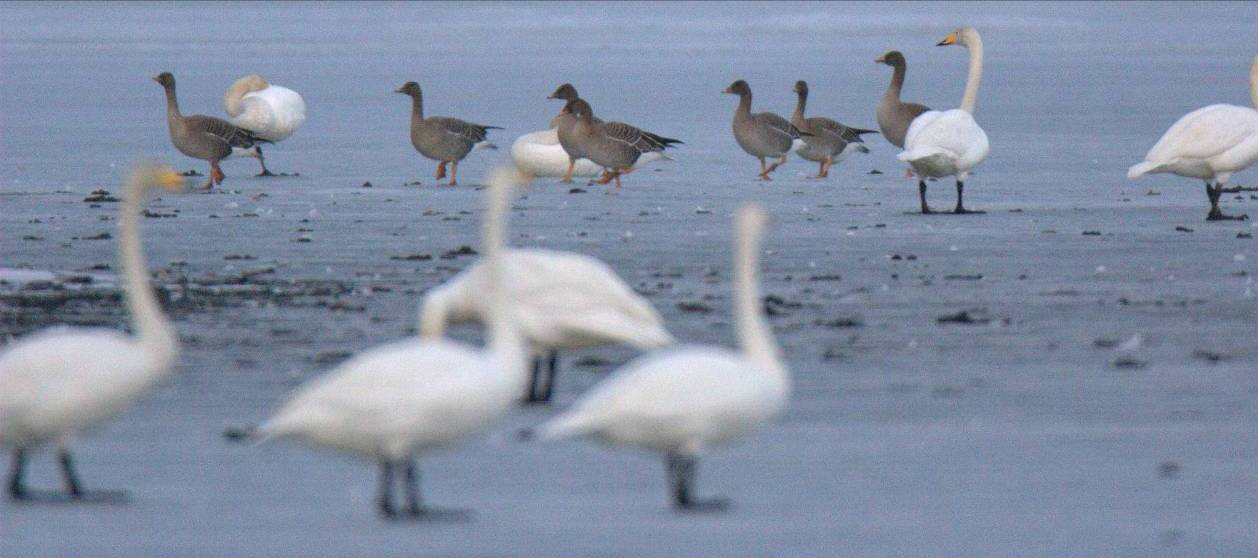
x=897 y=81
x=172 y=104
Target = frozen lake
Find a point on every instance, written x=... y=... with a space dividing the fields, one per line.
x=1102 y=401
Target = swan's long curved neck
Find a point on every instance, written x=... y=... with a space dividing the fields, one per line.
x=1253 y=83
x=233 y=101
x=975 y=44
x=172 y=103
x=151 y=326
x=755 y=337
x=505 y=342
x=897 y=82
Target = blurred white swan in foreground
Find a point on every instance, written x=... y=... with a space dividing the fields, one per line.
x=560 y=300
x=1210 y=143
x=396 y=401
x=60 y=381
x=949 y=143
x=269 y=111
x=683 y=400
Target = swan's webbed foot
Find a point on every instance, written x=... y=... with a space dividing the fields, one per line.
x=715 y=504
x=964 y=211
x=437 y=515
x=107 y=497
x=265 y=172
x=1218 y=215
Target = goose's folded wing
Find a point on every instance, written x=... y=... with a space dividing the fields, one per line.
x=468 y=131
x=222 y=129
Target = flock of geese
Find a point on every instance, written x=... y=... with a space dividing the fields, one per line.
x=394 y=402
x=1210 y=144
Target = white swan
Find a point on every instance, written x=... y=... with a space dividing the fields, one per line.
x=269 y=111
x=1209 y=143
x=60 y=381
x=949 y=143
x=561 y=300
x=539 y=154
x=682 y=401
x=395 y=401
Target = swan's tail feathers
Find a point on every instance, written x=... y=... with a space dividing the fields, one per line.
x=922 y=154
x=567 y=425
x=483 y=145
x=1140 y=169
x=251 y=151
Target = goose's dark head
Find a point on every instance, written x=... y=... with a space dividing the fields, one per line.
x=409 y=88
x=891 y=58
x=566 y=92
x=167 y=79
x=801 y=87
x=739 y=88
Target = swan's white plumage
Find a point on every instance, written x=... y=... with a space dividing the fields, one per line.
x=60 y=381
x=944 y=143
x=950 y=142
x=683 y=400
x=539 y=154
x=559 y=300
x=270 y=111
x=399 y=399
x=1210 y=143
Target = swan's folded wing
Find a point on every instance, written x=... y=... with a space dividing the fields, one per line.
x=1205 y=133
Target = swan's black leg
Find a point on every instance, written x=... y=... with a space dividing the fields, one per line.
x=262 y=160
x=17 y=490
x=682 y=472
x=412 y=487
x=384 y=494
x=67 y=472
x=75 y=488
x=535 y=379
x=552 y=368
x=960 y=192
x=921 y=193
x=1217 y=214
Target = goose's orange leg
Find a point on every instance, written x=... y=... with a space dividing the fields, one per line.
x=764 y=171
x=216 y=173
x=454 y=173
x=567 y=177
x=441 y=170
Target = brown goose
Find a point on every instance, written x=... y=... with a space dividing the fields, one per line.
x=615 y=146
x=203 y=137
x=830 y=142
x=563 y=123
x=762 y=134
x=442 y=139
x=894 y=115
